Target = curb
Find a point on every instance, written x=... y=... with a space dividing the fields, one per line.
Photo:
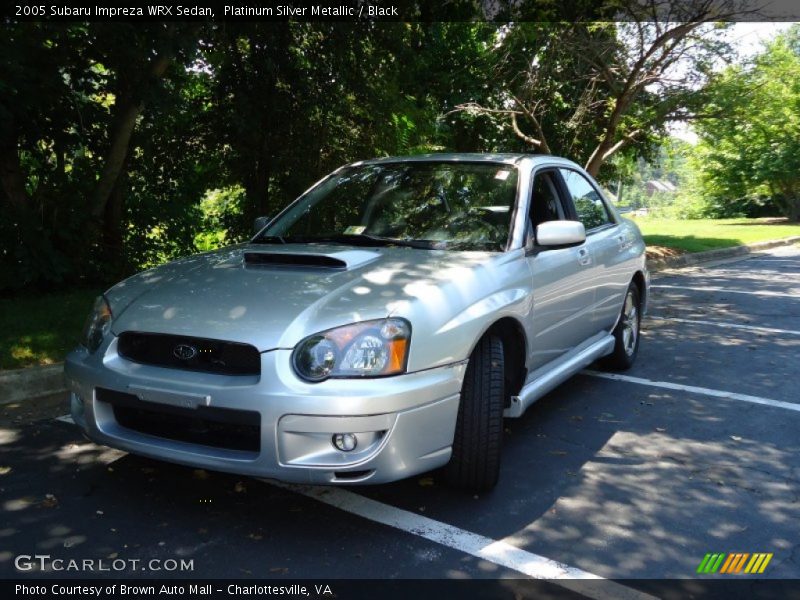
x=688 y=260
x=31 y=383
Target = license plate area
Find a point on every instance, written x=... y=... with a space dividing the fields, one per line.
x=169 y=397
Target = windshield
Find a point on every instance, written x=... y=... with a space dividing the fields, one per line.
x=442 y=205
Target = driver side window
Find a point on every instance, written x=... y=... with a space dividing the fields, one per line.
x=546 y=203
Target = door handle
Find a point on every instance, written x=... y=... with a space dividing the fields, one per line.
x=584 y=258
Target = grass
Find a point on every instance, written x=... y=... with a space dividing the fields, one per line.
x=40 y=329
x=710 y=234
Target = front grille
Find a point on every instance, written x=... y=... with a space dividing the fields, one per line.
x=205 y=425
x=190 y=353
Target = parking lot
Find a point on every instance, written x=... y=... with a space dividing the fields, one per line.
x=629 y=476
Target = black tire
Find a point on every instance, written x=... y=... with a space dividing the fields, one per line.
x=625 y=348
x=475 y=463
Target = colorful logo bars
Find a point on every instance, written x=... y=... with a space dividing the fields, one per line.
x=721 y=562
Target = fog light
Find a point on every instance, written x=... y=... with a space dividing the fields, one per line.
x=346 y=442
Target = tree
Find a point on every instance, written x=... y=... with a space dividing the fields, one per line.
x=110 y=134
x=71 y=98
x=293 y=101
x=753 y=148
x=592 y=89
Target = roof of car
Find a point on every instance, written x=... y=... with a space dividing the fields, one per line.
x=506 y=157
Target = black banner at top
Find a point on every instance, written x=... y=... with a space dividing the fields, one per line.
x=396 y=10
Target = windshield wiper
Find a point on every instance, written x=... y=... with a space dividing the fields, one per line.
x=269 y=239
x=344 y=239
x=364 y=239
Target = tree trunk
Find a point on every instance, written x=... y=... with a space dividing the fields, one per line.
x=257 y=189
x=793 y=209
x=593 y=166
x=114 y=159
x=11 y=175
x=786 y=197
x=124 y=123
x=112 y=223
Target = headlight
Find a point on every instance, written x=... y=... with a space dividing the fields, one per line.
x=97 y=325
x=368 y=349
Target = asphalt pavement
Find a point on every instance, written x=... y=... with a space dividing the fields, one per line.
x=694 y=450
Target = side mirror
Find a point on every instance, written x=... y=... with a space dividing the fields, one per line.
x=560 y=234
x=260 y=223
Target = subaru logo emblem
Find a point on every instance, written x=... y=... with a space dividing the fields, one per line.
x=184 y=352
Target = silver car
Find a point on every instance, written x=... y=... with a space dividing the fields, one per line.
x=382 y=325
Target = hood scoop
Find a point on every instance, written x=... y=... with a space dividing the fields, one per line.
x=295 y=261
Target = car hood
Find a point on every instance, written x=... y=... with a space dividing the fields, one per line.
x=274 y=296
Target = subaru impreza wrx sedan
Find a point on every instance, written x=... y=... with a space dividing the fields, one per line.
x=382 y=325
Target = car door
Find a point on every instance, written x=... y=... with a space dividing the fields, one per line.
x=562 y=293
x=606 y=244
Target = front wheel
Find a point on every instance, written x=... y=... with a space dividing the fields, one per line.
x=626 y=333
x=475 y=463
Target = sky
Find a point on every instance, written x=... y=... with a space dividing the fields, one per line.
x=749 y=37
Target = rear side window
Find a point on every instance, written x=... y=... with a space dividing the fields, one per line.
x=591 y=209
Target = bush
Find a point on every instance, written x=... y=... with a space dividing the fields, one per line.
x=691 y=205
x=37 y=251
x=222 y=212
x=755 y=205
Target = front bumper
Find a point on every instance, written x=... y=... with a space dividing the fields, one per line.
x=405 y=424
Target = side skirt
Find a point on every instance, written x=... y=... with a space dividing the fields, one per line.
x=556 y=372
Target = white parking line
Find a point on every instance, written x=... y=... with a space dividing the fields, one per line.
x=726 y=325
x=727 y=290
x=695 y=390
x=497 y=552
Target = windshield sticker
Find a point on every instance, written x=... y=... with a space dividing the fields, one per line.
x=354 y=230
x=502 y=174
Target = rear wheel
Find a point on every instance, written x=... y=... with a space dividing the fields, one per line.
x=475 y=463
x=626 y=333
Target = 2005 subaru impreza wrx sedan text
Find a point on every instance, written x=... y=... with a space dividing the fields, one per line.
x=382 y=325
